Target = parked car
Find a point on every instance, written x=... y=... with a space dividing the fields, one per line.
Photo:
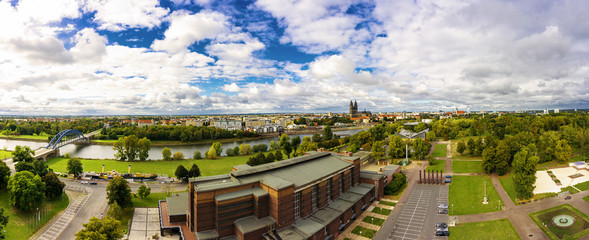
x=442 y=233
x=443 y=206
x=441 y=225
x=448 y=176
x=95 y=183
x=442 y=229
x=84 y=182
x=448 y=180
x=442 y=210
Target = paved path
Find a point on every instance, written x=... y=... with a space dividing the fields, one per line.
x=56 y=226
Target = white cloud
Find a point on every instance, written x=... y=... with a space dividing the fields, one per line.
x=48 y=11
x=118 y=15
x=231 y=88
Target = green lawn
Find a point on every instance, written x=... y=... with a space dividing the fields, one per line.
x=150 y=201
x=586 y=199
x=440 y=150
x=582 y=186
x=544 y=220
x=373 y=220
x=365 y=232
x=5 y=154
x=497 y=229
x=42 y=136
x=467 y=166
x=387 y=203
x=466 y=194
x=437 y=165
x=508 y=185
x=19 y=223
x=381 y=211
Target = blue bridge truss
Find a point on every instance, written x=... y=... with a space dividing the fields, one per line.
x=65 y=137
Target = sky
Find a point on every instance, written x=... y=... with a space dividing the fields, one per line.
x=145 y=57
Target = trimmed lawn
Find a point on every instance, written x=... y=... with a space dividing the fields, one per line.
x=466 y=194
x=387 y=203
x=364 y=232
x=42 y=136
x=586 y=199
x=381 y=211
x=544 y=220
x=5 y=154
x=507 y=183
x=437 y=165
x=373 y=220
x=467 y=166
x=19 y=223
x=582 y=186
x=440 y=150
x=150 y=201
x=497 y=229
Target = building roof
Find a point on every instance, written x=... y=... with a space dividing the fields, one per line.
x=209 y=234
x=177 y=204
x=325 y=216
x=340 y=205
x=371 y=175
x=291 y=233
x=307 y=226
x=250 y=191
x=251 y=223
x=409 y=134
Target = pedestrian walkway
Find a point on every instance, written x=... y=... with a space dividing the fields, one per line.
x=64 y=219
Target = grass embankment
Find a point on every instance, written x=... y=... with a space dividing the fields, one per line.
x=437 y=165
x=21 y=224
x=496 y=229
x=207 y=167
x=42 y=136
x=440 y=150
x=466 y=194
x=544 y=220
x=460 y=166
x=5 y=154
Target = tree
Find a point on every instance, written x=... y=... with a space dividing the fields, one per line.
x=115 y=211
x=3 y=222
x=270 y=157
x=378 y=132
x=488 y=160
x=107 y=229
x=53 y=186
x=40 y=167
x=562 y=151
x=143 y=191
x=194 y=171
x=218 y=148
x=167 y=153
x=23 y=154
x=470 y=145
x=502 y=158
x=4 y=175
x=258 y=159
x=118 y=191
x=245 y=149
x=378 y=150
x=260 y=148
x=144 y=145
x=317 y=137
x=74 y=166
x=197 y=155
x=524 y=177
x=327 y=133
x=273 y=145
x=295 y=142
x=24 y=166
x=211 y=153
x=396 y=184
x=287 y=147
x=27 y=191
x=420 y=148
x=131 y=148
x=461 y=147
x=178 y=156
x=396 y=147
x=278 y=155
x=181 y=173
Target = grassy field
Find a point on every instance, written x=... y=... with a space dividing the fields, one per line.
x=373 y=220
x=437 y=165
x=466 y=194
x=42 y=136
x=467 y=166
x=582 y=186
x=381 y=211
x=586 y=199
x=497 y=229
x=544 y=220
x=507 y=183
x=5 y=154
x=150 y=201
x=207 y=167
x=19 y=223
x=440 y=150
x=364 y=232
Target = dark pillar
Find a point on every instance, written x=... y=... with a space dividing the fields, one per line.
x=419 y=177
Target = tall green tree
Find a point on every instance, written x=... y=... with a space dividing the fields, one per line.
x=461 y=147
x=524 y=177
x=197 y=155
x=396 y=147
x=181 y=173
x=167 y=154
x=53 y=186
x=132 y=148
x=327 y=133
x=97 y=229
x=378 y=150
x=118 y=191
x=74 y=166
x=562 y=151
x=143 y=191
x=4 y=175
x=194 y=171
x=27 y=191
x=278 y=155
x=144 y=146
x=23 y=153
x=378 y=132
x=3 y=222
x=273 y=145
x=295 y=142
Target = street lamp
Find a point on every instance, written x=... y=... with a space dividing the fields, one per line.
x=452 y=208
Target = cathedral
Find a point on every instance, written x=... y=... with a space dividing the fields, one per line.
x=354 y=111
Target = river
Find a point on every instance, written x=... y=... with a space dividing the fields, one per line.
x=106 y=152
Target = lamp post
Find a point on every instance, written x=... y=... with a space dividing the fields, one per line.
x=452 y=208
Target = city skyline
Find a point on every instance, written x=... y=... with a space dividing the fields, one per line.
x=214 y=57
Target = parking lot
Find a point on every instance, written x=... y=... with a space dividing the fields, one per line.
x=419 y=213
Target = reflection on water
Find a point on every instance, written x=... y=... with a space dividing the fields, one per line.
x=106 y=152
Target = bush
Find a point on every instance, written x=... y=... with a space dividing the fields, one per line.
x=399 y=180
x=197 y=155
x=143 y=191
x=178 y=156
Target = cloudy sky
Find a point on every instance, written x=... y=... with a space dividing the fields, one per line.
x=262 y=56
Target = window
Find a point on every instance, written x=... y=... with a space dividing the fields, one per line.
x=314 y=198
x=297 y=205
x=328 y=189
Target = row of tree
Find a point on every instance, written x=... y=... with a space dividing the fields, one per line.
x=172 y=133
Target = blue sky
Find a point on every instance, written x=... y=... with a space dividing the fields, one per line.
x=262 y=56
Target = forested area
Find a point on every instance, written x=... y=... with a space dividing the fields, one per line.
x=172 y=133
x=13 y=127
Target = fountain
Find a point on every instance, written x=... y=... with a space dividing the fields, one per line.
x=563 y=220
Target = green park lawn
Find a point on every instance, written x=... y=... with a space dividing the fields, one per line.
x=365 y=232
x=459 y=166
x=42 y=136
x=150 y=201
x=437 y=165
x=586 y=199
x=5 y=154
x=508 y=185
x=19 y=223
x=373 y=220
x=381 y=211
x=496 y=229
x=466 y=195
x=582 y=186
x=544 y=220
x=440 y=150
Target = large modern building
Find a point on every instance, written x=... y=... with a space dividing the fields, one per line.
x=314 y=196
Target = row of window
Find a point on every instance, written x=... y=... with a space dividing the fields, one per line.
x=314 y=198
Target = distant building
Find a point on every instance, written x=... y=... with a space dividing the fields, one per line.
x=354 y=111
x=228 y=124
x=412 y=135
x=556 y=110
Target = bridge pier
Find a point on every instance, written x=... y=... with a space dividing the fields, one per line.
x=43 y=154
